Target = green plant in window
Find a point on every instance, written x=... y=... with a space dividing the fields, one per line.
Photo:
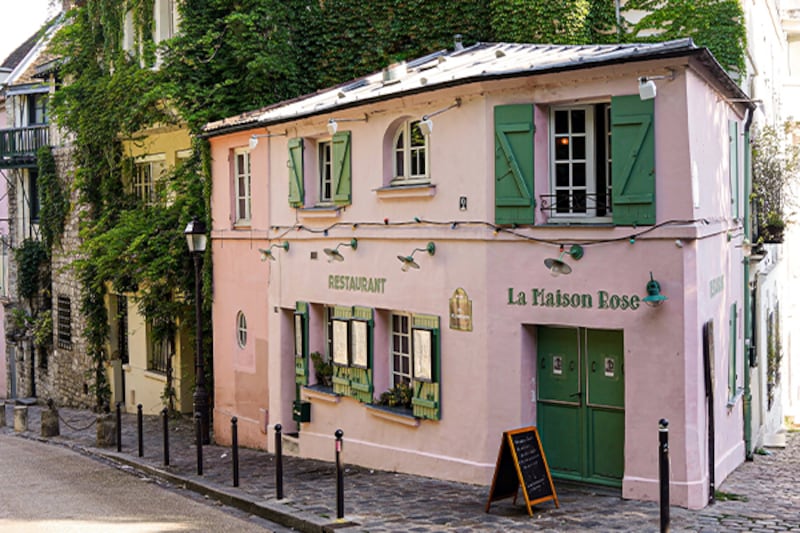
x=398 y=396
x=323 y=369
x=775 y=165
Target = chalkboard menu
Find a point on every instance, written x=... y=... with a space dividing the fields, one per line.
x=521 y=463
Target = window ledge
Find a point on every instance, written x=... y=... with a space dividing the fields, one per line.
x=587 y=221
x=421 y=190
x=157 y=376
x=320 y=212
x=325 y=394
x=398 y=416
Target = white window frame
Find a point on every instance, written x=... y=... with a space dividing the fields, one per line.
x=400 y=354
x=145 y=189
x=408 y=154
x=241 y=329
x=166 y=20
x=242 y=182
x=589 y=160
x=325 y=171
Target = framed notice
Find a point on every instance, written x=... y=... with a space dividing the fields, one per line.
x=341 y=343
x=360 y=343
x=423 y=367
x=298 y=335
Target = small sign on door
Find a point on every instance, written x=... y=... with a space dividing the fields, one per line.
x=609 y=367
x=558 y=362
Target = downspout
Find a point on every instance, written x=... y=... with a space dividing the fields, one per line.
x=748 y=314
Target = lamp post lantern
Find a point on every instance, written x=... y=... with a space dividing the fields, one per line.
x=196 y=239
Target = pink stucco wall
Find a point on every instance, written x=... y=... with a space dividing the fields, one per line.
x=489 y=374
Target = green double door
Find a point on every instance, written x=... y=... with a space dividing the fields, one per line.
x=581 y=403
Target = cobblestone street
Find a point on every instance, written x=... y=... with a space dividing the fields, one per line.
x=763 y=495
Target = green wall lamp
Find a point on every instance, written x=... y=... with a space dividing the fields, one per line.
x=557 y=266
x=335 y=255
x=267 y=254
x=654 y=297
x=408 y=260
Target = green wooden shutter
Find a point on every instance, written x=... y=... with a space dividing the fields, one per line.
x=513 y=164
x=301 y=359
x=733 y=141
x=361 y=386
x=732 y=354
x=342 y=169
x=426 y=399
x=296 y=190
x=633 y=153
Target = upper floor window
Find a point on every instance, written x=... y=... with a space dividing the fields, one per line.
x=330 y=171
x=325 y=167
x=241 y=172
x=401 y=349
x=580 y=162
x=37 y=109
x=582 y=182
x=241 y=330
x=410 y=154
x=166 y=19
x=145 y=174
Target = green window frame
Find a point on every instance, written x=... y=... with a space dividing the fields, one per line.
x=300 y=329
x=426 y=386
x=353 y=368
x=333 y=175
x=513 y=164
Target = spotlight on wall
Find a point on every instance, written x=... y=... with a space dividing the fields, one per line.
x=408 y=260
x=647 y=87
x=557 y=266
x=253 y=142
x=654 y=297
x=267 y=254
x=335 y=255
x=333 y=123
x=426 y=124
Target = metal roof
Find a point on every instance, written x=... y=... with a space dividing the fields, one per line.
x=480 y=62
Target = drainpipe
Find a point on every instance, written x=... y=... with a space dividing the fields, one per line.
x=748 y=314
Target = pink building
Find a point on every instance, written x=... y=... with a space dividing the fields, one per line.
x=521 y=235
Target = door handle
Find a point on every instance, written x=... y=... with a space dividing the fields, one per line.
x=576 y=394
x=543 y=364
x=594 y=366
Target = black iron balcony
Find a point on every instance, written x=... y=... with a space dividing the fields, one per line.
x=18 y=146
x=577 y=202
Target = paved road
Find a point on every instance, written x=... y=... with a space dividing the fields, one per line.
x=51 y=489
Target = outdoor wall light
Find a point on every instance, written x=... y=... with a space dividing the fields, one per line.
x=647 y=87
x=267 y=254
x=408 y=260
x=426 y=124
x=333 y=123
x=335 y=255
x=557 y=266
x=256 y=136
x=654 y=297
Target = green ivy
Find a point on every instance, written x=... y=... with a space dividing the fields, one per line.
x=716 y=24
x=54 y=205
x=32 y=268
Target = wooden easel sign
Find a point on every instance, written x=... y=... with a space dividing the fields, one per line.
x=521 y=463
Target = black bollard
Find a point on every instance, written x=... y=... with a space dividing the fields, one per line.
x=165 y=424
x=119 y=426
x=278 y=462
x=663 y=472
x=339 y=475
x=198 y=430
x=235 y=451
x=139 y=429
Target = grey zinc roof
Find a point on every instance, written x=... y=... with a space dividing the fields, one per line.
x=482 y=61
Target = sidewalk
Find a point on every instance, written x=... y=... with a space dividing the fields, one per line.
x=379 y=501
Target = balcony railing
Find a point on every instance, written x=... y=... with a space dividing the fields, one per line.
x=19 y=145
x=577 y=202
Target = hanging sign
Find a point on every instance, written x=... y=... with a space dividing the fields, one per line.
x=521 y=463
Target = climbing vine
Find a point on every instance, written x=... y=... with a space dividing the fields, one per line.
x=54 y=204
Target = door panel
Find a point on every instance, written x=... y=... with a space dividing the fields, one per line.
x=581 y=399
x=559 y=368
x=605 y=386
x=562 y=439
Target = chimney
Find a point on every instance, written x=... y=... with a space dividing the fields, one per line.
x=458 y=46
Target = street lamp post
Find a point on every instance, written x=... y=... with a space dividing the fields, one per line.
x=196 y=239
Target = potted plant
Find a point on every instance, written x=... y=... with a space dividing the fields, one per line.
x=775 y=164
x=398 y=396
x=323 y=370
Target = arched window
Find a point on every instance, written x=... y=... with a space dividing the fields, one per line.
x=410 y=154
x=241 y=330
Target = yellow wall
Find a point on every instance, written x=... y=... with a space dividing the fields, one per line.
x=141 y=385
